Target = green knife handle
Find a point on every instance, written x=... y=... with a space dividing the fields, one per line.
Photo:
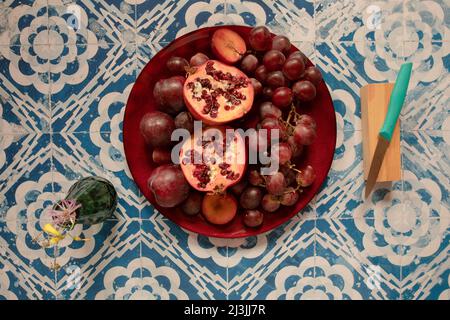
x=396 y=101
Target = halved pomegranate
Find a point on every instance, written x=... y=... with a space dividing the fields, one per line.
x=212 y=161
x=217 y=93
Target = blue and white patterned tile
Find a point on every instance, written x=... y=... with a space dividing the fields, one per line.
x=426 y=263
x=294 y=19
x=357 y=259
x=26 y=191
x=101 y=154
x=25 y=175
x=341 y=192
x=294 y=281
x=91 y=21
x=8 y=281
x=426 y=171
x=146 y=51
x=26 y=268
x=346 y=67
x=286 y=269
x=163 y=21
x=107 y=266
x=90 y=86
x=162 y=281
x=342 y=67
x=195 y=263
x=24 y=89
x=253 y=262
x=427 y=20
x=341 y=195
x=428 y=100
x=23 y=22
x=359 y=20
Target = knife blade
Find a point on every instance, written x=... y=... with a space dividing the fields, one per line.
x=385 y=134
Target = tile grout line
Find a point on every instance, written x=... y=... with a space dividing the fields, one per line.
x=141 y=240
x=315 y=248
x=228 y=266
x=141 y=221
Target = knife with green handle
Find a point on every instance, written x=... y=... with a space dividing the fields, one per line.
x=396 y=101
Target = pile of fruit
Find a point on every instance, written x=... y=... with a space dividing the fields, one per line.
x=263 y=76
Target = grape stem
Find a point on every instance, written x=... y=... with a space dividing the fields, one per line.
x=190 y=70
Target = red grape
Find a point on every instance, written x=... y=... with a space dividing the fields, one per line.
x=193 y=204
x=268 y=110
x=261 y=73
x=289 y=197
x=270 y=203
x=296 y=148
x=313 y=74
x=283 y=152
x=306 y=176
x=257 y=86
x=298 y=54
x=276 y=79
x=177 y=65
x=282 y=97
x=255 y=178
x=273 y=60
x=304 y=90
x=294 y=68
x=307 y=121
x=156 y=128
x=253 y=218
x=251 y=197
x=239 y=187
x=168 y=94
x=273 y=124
x=281 y=43
x=304 y=135
x=275 y=183
x=249 y=64
x=184 y=120
x=160 y=156
x=290 y=175
x=198 y=59
x=267 y=92
x=260 y=38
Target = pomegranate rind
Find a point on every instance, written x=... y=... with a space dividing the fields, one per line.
x=224 y=116
x=235 y=155
x=228 y=46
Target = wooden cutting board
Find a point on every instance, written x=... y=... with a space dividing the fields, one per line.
x=374 y=105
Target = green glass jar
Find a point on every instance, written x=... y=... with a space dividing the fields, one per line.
x=97 y=197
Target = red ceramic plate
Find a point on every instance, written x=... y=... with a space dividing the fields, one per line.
x=319 y=154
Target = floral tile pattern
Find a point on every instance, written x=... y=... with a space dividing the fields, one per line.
x=196 y=265
x=259 y=265
x=66 y=71
x=107 y=267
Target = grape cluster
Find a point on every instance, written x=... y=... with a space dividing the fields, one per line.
x=282 y=81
